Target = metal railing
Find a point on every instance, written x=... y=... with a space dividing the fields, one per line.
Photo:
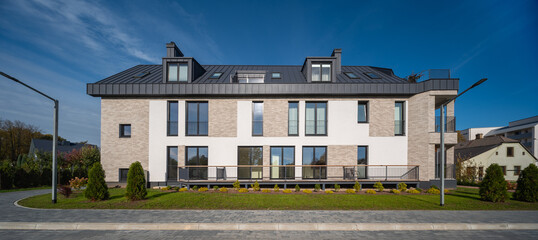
x=450 y=124
x=284 y=173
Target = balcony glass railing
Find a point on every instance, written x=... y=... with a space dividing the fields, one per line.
x=450 y=124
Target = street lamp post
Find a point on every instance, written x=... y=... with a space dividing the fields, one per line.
x=54 y=135
x=442 y=141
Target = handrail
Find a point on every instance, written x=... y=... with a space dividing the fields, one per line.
x=299 y=166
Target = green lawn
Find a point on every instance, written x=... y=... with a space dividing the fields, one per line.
x=460 y=199
x=24 y=189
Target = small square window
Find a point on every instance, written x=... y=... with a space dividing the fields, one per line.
x=216 y=75
x=275 y=75
x=517 y=170
x=372 y=75
x=523 y=153
x=125 y=130
x=352 y=75
x=504 y=170
x=510 y=151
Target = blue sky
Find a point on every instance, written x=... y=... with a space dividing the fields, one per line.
x=59 y=46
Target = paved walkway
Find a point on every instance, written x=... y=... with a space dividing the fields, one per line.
x=23 y=223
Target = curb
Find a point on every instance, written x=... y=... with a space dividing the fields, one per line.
x=266 y=226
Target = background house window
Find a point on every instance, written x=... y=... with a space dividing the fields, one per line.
x=510 y=151
x=172 y=125
x=293 y=118
x=517 y=170
x=197 y=118
x=362 y=112
x=316 y=118
x=125 y=130
x=257 y=118
x=177 y=72
x=197 y=156
x=250 y=157
x=321 y=72
x=315 y=156
x=504 y=170
x=123 y=174
x=362 y=159
x=281 y=156
x=399 y=119
x=480 y=173
x=171 y=169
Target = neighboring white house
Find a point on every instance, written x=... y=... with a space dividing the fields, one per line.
x=470 y=133
x=510 y=154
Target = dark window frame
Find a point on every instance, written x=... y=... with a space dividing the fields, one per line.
x=213 y=75
x=366 y=105
x=401 y=117
x=120 y=174
x=253 y=110
x=376 y=75
x=177 y=72
x=322 y=176
x=168 y=163
x=503 y=169
x=197 y=118
x=366 y=153
x=297 y=121
x=321 y=72
x=517 y=170
x=279 y=75
x=250 y=161
x=122 y=130
x=168 y=119
x=282 y=160
x=509 y=151
x=348 y=74
x=197 y=169
x=316 y=119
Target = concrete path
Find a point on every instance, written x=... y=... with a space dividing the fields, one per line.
x=138 y=224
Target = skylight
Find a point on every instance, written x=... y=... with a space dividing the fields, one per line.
x=351 y=75
x=275 y=75
x=141 y=75
x=216 y=75
x=372 y=75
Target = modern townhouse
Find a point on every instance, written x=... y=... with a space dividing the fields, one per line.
x=315 y=123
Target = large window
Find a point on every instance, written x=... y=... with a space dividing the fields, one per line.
x=399 y=119
x=315 y=156
x=316 y=118
x=197 y=119
x=250 y=157
x=293 y=118
x=362 y=159
x=362 y=116
x=123 y=174
x=257 y=118
x=171 y=170
x=197 y=156
x=177 y=72
x=172 y=119
x=125 y=130
x=282 y=156
x=321 y=72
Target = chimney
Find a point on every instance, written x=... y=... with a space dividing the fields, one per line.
x=172 y=50
x=337 y=52
x=479 y=135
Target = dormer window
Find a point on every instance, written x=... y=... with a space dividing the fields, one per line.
x=321 y=72
x=216 y=75
x=250 y=77
x=275 y=75
x=178 y=72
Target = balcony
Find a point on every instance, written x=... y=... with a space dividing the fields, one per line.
x=450 y=124
x=298 y=173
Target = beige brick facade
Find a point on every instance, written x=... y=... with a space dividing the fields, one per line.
x=381 y=117
x=119 y=152
x=275 y=118
x=222 y=118
x=340 y=155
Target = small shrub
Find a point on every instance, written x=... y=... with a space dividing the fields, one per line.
x=183 y=189
x=266 y=191
x=276 y=188
x=370 y=191
x=527 y=185
x=357 y=186
x=136 y=183
x=493 y=186
x=243 y=190
x=287 y=191
x=78 y=183
x=395 y=191
x=329 y=191
x=195 y=188
x=256 y=186
x=237 y=185
x=96 y=188
x=433 y=191
x=65 y=191
x=175 y=188
x=297 y=188
x=419 y=189
x=223 y=189
x=203 y=189
x=165 y=188
x=307 y=191
x=336 y=187
x=413 y=191
x=350 y=190
x=215 y=188
x=434 y=187
x=317 y=188
x=402 y=187
x=379 y=186
x=447 y=191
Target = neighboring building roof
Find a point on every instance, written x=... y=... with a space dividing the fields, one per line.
x=43 y=145
x=517 y=125
x=476 y=147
